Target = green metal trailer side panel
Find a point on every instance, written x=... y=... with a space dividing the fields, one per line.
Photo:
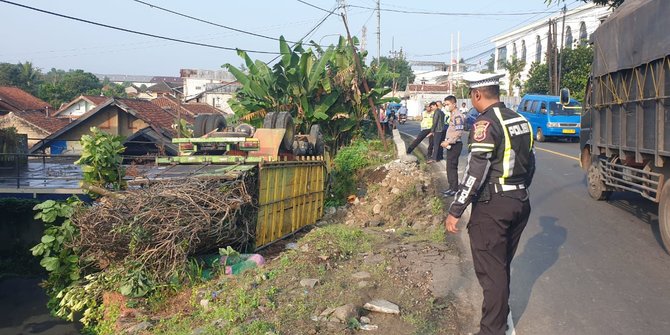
x=291 y=196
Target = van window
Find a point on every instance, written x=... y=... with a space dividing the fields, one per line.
x=526 y=105
x=533 y=108
x=543 y=108
x=572 y=108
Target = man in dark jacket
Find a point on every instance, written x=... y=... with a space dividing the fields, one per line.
x=438 y=133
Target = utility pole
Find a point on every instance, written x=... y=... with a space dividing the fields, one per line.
x=458 y=53
x=379 y=33
x=364 y=34
x=451 y=65
x=451 y=54
x=359 y=71
x=550 y=52
x=560 y=55
x=555 y=30
x=343 y=7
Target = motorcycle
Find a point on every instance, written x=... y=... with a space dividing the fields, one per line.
x=402 y=118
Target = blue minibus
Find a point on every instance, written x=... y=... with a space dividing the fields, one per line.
x=550 y=118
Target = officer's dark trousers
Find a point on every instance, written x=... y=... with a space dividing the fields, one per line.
x=452 y=164
x=495 y=228
x=438 y=152
x=418 y=139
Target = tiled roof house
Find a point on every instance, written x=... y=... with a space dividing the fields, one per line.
x=146 y=126
x=27 y=114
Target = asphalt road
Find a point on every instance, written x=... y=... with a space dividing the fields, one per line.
x=584 y=266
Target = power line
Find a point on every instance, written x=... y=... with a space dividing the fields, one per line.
x=485 y=41
x=138 y=32
x=208 y=22
x=446 y=13
x=314 y=6
x=142 y=45
x=331 y=12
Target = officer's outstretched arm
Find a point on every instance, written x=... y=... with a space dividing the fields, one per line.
x=482 y=149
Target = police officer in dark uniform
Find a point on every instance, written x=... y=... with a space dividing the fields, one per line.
x=501 y=164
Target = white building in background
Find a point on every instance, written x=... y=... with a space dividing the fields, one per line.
x=529 y=43
x=195 y=81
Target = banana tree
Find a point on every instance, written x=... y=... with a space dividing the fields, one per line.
x=318 y=86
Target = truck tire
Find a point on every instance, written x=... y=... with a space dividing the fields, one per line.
x=215 y=122
x=664 y=216
x=200 y=124
x=285 y=121
x=595 y=184
x=245 y=128
x=317 y=136
x=539 y=136
x=269 y=120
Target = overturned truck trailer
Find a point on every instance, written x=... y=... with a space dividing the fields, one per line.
x=625 y=136
x=288 y=171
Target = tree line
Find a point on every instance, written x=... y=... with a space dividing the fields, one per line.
x=57 y=86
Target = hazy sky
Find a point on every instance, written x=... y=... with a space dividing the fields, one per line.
x=50 y=41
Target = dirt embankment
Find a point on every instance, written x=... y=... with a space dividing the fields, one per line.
x=379 y=264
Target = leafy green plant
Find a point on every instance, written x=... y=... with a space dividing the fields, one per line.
x=101 y=160
x=136 y=283
x=58 y=258
x=348 y=162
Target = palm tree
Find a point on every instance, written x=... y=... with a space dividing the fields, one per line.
x=30 y=77
x=514 y=68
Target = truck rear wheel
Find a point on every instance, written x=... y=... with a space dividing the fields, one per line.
x=664 y=216
x=317 y=136
x=285 y=121
x=597 y=188
x=270 y=120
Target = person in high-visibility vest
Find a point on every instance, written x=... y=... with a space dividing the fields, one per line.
x=501 y=165
x=426 y=125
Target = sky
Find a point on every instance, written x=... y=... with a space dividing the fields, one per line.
x=55 y=42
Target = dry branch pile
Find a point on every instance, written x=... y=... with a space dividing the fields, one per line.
x=161 y=225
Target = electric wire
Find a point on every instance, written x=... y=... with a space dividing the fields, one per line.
x=208 y=22
x=138 y=32
x=446 y=13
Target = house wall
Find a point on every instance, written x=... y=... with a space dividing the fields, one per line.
x=22 y=127
x=218 y=100
x=195 y=86
x=591 y=15
x=77 y=109
x=111 y=120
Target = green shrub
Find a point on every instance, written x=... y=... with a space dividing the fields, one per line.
x=348 y=161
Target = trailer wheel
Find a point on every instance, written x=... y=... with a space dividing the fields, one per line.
x=285 y=121
x=539 y=136
x=597 y=188
x=199 y=128
x=215 y=122
x=317 y=136
x=664 y=216
x=269 y=120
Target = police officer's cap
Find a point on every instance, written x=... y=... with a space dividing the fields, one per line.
x=476 y=79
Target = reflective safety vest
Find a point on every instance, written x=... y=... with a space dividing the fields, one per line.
x=427 y=120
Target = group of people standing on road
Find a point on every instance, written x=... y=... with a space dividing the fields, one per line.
x=389 y=115
x=501 y=165
x=443 y=123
